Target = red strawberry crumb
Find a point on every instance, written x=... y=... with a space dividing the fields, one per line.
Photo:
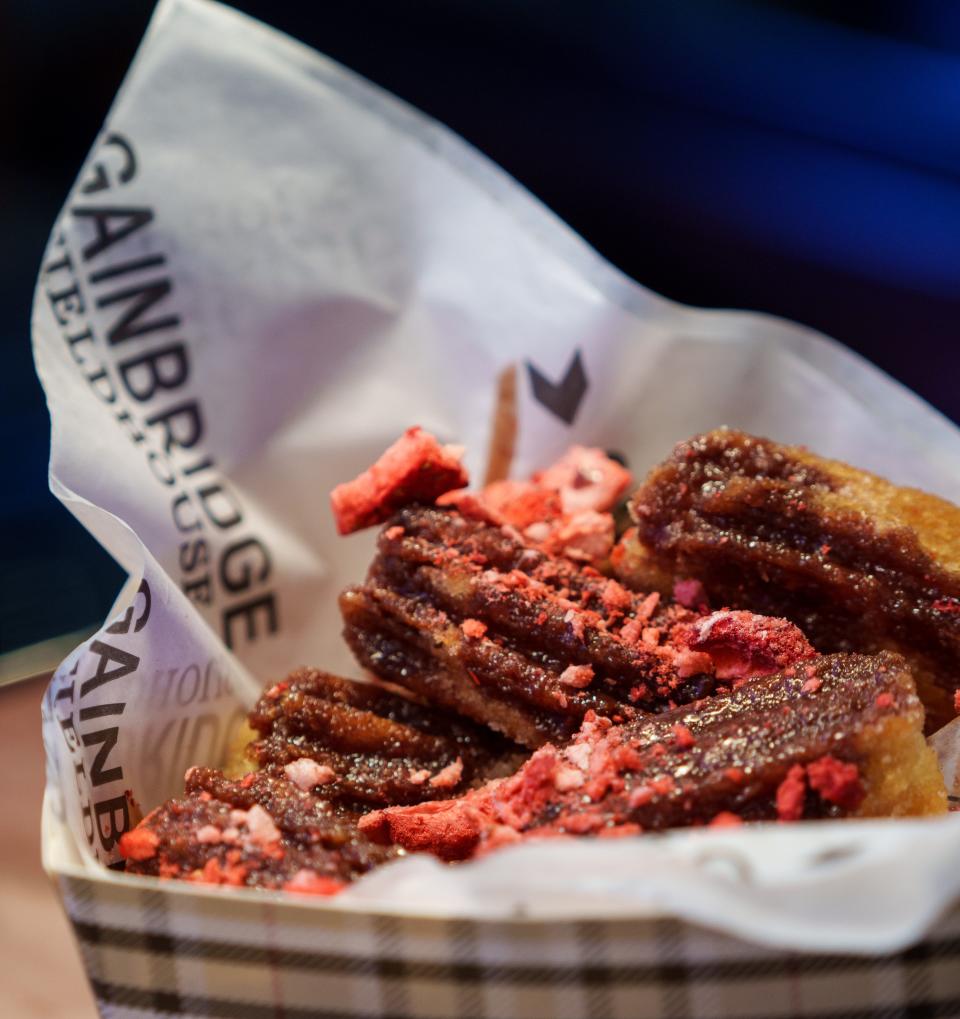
x=825 y=550
x=523 y=504
x=884 y=700
x=209 y=835
x=648 y=606
x=586 y=479
x=640 y=796
x=449 y=776
x=726 y=819
x=947 y=605
x=836 y=781
x=690 y=594
x=663 y=785
x=577 y=676
x=619 y=831
x=568 y=778
x=741 y=644
x=416 y=468
x=213 y=873
x=470 y=505
x=261 y=829
x=626 y=758
x=139 y=844
x=305 y=773
x=690 y=663
x=615 y=597
x=394 y=533
x=650 y=635
x=581 y=824
x=812 y=685
x=631 y=631
x=473 y=628
x=791 y=794
x=308 y=882
x=683 y=737
x=449 y=828
x=735 y=775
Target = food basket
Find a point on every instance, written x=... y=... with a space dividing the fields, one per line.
x=267 y=269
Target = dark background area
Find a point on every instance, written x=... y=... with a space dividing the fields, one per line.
x=801 y=158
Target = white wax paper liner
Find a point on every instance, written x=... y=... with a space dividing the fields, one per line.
x=267 y=269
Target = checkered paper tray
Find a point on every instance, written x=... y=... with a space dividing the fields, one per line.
x=266 y=270
x=157 y=950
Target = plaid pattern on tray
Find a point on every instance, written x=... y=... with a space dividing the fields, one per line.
x=152 y=951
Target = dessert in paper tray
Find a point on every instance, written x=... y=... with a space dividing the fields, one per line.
x=494 y=697
x=498 y=612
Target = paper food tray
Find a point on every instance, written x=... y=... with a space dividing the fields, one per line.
x=171 y=949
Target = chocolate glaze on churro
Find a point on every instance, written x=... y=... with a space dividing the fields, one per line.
x=466 y=614
x=856 y=562
x=833 y=737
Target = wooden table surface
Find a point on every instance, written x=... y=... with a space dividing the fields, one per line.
x=40 y=974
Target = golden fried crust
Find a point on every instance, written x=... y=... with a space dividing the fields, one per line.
x=900 y=772
x=857 y=562
x=934 y=523
x=238 y=762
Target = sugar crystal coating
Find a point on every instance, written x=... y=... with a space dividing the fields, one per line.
x=766 y=750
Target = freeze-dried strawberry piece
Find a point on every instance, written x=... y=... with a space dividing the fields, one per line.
x=415 y=469
x=586 y=478
x=139 y=844
x=836 y=781
x=744 y=644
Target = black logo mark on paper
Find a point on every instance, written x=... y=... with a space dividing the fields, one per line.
x=122 y=625
x=561 y=398
x=99 y=178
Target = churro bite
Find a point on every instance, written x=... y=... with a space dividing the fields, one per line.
x=471 y=617
x=362 y=744
x=856 y=562
x=327 y=749
x=837 y=736
x=264 y=831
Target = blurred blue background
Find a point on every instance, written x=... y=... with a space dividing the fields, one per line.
x=801 y=158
